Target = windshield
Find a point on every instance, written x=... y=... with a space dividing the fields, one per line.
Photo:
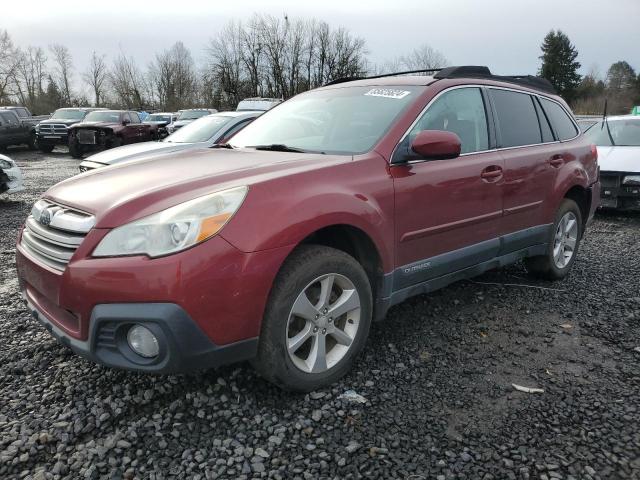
x=619 y=133
x=201 y=130
x=158 y=118
x=68 y=115
x=346 y=120
x=103 y=116
x=192 y=114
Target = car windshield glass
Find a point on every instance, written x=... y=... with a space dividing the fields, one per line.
x=619 y=133
x=102 y=116
x=192 y=114
x=199 y=131
x=346 y=120
x=158 y=118
x=68 y=115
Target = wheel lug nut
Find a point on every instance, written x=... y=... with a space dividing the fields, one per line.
x=324 y=330
x=317 y=316
x=330 y=319
x=315 y=329
x=325 y=311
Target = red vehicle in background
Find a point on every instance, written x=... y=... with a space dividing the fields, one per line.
x=103 y=129
x=283 y=245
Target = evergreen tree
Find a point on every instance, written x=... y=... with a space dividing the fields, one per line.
x=559 y=64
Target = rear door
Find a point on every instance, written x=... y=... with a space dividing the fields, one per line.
x=528 y=148
x=448 y=212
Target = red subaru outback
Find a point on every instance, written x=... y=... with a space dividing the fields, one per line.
x=284 y=245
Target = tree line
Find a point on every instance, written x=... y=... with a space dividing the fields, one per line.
x=265 y=56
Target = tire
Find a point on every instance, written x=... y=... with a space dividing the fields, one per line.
x=32 y=143
x=116 y=142
x=308 y=270
x=46 y=148
x=556 y=267
x=75 y=149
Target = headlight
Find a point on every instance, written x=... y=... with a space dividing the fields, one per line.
x=5 y=164
x=631 y=180
x=175 y=228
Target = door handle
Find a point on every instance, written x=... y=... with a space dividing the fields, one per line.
x=491 y=173
x=556 y=161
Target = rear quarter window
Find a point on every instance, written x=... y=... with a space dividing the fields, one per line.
x=560 y=120
x=517 y=119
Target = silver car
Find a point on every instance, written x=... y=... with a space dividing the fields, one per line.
x=202 y=133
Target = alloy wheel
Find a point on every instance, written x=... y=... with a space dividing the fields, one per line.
x=323 y=323
x=565 y=240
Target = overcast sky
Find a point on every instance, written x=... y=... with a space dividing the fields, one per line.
x=502 y=34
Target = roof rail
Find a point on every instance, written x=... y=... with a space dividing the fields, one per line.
x=530 y=81
x=392 y=74
x=466 y=71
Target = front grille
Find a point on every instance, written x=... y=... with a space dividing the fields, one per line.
x=87 y=136
x=609 y=180
x=53 y=233
x=52 y=129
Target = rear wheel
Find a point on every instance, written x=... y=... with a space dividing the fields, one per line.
x=116 y=142
x=316 y=321
x=563 y=244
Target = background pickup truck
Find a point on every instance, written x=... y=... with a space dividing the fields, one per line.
x=17 y=126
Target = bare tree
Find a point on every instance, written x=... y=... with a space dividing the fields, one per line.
x=423 y=57
x=226 y=60
x=9 y=59
x=29 y=76
x=173 y=75
x=96 y=77
x=63 y=71
x=128 y=82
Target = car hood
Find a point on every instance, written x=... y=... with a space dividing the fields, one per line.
x=51 y=121
x=95 y=124
x=136 y=150
x=122 y=193
x=619 y=159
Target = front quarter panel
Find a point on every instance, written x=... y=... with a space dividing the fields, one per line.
x=285 y=210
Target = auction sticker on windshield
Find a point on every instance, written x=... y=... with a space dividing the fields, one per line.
x=387 y=92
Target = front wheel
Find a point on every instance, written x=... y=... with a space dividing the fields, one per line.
x=32 y=142
x=46 y=148
x=563 y=244
x=75 y=149
x=317 y=319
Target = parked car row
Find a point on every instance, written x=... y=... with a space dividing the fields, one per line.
x=17 y=127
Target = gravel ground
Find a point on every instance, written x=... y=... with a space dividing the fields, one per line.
x=436 y=376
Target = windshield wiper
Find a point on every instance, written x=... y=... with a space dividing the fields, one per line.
x=222 y=145
x=278 y=147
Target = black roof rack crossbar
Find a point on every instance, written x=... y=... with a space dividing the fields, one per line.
x=392 y=74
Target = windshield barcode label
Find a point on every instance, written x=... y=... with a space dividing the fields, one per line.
x=387 y=92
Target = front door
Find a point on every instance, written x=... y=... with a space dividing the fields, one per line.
x=448 y=212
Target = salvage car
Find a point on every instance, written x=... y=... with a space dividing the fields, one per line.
x=53 y=131
x=618 y=142
x=10 y=176
x=203 y=133
x=104 y=129
x=283 y=246
x=185 y=117
x=161 y=121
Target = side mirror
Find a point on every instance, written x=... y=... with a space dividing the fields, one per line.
x=126 y=122
x=436 y=145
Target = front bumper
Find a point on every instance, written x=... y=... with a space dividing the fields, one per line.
x=183 y=345
x=52 y=139
x=615 y=195
x=205 y=303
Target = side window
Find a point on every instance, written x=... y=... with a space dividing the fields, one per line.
x=517 y=118
x=562 y=124
x=460 y=111
x=547 y=134
x=135 y=118
x=235 y=129
x=21 y=112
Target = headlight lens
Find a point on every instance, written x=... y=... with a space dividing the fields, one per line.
x=174 y=229
x=5 y=164
x=631 y=180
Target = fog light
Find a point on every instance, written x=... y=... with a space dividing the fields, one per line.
x=142 y=341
